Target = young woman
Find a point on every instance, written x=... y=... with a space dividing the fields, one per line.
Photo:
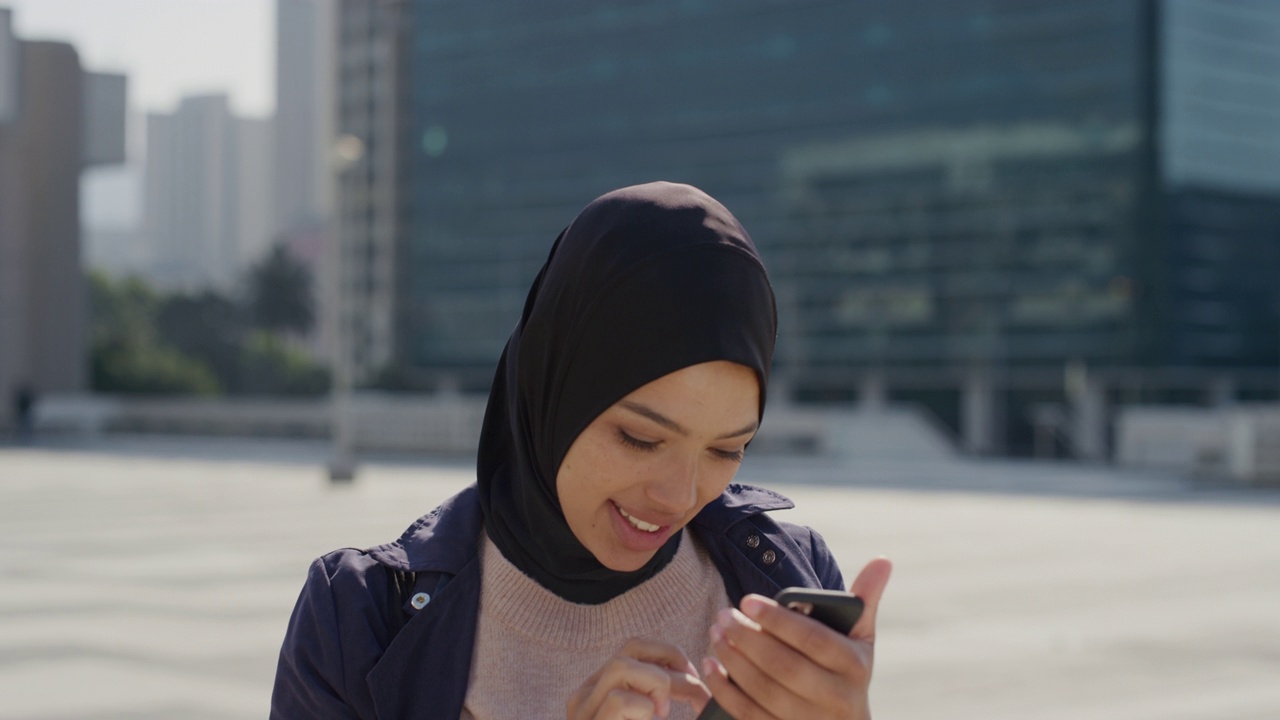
x=604 y=565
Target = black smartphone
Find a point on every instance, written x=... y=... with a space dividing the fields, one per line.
x=836 y=609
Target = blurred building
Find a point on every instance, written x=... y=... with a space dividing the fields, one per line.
x=306 y=75
x=207 y=202
x=371 y=43
x=55 y=120
x=984 y=207
x=305 y=47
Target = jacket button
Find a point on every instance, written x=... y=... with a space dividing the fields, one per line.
x=769 y=557
x=419 y=601
x=753 y=541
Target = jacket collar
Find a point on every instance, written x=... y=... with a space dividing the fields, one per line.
x=445 y=539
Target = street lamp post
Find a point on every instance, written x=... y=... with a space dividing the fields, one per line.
x=348 y=151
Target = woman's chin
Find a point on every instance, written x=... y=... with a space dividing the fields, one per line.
x=625 y=562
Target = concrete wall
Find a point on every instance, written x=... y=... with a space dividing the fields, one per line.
x=451 y=424
x=52 y=138
x=43 y=304
x=1238 y=443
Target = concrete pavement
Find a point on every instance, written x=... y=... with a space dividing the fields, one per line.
x=144 y=578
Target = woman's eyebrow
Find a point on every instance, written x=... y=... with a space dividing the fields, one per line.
x=674 y=426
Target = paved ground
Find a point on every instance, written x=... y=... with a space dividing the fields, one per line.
x=145 y=578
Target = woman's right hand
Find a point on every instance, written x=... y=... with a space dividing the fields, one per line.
x=639 y=683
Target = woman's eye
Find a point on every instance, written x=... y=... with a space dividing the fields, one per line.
x=732 y=455
x=636 y=443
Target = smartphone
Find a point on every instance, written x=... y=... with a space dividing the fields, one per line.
x=836 y=609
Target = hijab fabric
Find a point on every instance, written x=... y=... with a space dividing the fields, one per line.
x=647 y=280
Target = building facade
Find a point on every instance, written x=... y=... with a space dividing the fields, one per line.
x=304 y=130
x=984 y=207
x=55 y=120
x=369 y=107
x=207 y=202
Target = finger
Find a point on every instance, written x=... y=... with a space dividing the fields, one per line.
x=632 y=675
x=806 y=641
x=620 y=704
x=789 y=665
x=869 y=585
x=658 y=653
x=685 y=685
x=689 y=688
x=729 y=696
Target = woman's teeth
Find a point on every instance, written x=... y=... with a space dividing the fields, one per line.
x=639 y=524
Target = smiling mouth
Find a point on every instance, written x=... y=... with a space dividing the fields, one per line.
x=636 y=522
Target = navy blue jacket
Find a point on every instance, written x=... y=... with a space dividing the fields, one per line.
x=346 y=656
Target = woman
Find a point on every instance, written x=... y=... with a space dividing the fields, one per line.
x=602 y=550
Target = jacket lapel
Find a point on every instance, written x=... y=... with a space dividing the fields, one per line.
x=436 y=643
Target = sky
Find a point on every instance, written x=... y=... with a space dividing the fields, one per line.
x=168 y=48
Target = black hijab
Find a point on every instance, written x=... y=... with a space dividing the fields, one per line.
x=646 y=280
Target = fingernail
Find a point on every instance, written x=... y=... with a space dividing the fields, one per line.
x=708 y=666
x=717 y=633
x=752 y=605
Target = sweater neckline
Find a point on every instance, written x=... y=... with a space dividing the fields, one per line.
x=521 y=605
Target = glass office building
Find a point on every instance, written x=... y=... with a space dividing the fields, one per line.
x=942 y=189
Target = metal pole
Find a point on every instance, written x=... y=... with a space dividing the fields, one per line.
x=348 y=151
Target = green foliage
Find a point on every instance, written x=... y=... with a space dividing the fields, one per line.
x=280 y=296
x=144 y=342
x=209 y=327
x=392 y=378
x=126 y=356
x=154 y=370
x=272 y=366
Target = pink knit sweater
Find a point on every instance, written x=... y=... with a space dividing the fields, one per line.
x=534 y=649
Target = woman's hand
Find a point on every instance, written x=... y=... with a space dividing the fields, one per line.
x=639 y=683
x=786 y=666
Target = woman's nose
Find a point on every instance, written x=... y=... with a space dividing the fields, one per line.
x=675 y=489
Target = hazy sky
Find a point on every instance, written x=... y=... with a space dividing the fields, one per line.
x=168 y=48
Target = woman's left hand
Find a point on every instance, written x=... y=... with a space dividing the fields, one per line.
x=786 y=666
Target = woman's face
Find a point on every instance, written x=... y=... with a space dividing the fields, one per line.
x=644 y=467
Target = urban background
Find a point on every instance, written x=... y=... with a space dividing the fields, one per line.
x=1026 y=253
x=995 y=227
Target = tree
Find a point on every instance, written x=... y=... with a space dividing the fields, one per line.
x=125 y=354
x=209 y=328
x=280 y=293
x=272 y=367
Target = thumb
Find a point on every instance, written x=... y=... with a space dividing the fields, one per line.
x=869 y=585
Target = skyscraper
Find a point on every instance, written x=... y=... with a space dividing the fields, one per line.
x=369 y=108
x=980 y=206
x=304 y=130
x=207 y=193
x=306 y=76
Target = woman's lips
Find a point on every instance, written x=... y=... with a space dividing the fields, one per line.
x=638 y=534
x=638 y=523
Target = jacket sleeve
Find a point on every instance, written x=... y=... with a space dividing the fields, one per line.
x=824 y=563
x=312 y=675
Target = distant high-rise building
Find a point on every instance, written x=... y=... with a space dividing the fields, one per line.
x=306 y=112
x=207 y=201
x=255 y=203
x=369 y=107
x=55 y=120
x=957 y=199
x=8 y=68
x=304 y=130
